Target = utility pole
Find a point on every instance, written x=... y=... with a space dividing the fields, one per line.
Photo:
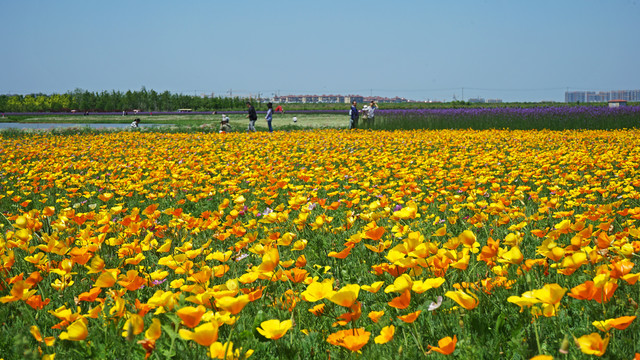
x=463 y=93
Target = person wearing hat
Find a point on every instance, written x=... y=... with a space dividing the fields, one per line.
x=224 y=124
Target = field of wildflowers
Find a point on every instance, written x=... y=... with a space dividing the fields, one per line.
x=515 y=118
x=320 y=244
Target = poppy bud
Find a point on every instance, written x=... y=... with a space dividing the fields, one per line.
x=564 y=348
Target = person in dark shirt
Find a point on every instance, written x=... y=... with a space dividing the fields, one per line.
x=353 y=113
x=252 y=117
x=269 y=116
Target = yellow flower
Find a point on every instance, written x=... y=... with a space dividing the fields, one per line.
x=527 y=299
x=593 y=344
x=463 y=299
x=421 y=286
x=317 y=291
x=373 y=288
x=226 y=351
x=345 y=296
x=386 y=335
x=400 y=284
x=233 y=304
x=513 y=256
x=274 y=329
x=77 y=331
x=205 y=334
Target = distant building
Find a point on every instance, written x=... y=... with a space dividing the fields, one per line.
x=483 y=101
x=617 y=103
x=331 y=99
x=601 y=96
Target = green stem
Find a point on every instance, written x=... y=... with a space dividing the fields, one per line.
x=415 y=337
x=535 y=329
x=173 y=338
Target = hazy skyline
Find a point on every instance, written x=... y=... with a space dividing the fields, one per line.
x=421 y=50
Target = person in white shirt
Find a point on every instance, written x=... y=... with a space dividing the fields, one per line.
x=372 y=111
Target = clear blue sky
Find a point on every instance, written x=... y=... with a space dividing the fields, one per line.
x=513 y=50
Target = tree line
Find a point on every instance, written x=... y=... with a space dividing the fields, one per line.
x=108 y=101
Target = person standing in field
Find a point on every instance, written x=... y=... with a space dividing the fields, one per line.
x=353 y=113
x=252 y=117
x=269 y=116
x=372 y=112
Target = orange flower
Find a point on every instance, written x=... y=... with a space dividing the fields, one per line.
x=409 y=318
x=274 y=329
x=36 y=302
x=296 y=275
x=191 y=315
x=375 y=233
x=317 y=310
x=402 y=301
x=342 y=254
x=351 y=316
x=589 y=291
x=386 y=335
x=352 y=339
x=620 y=323
x=375 y=315
x=49 y=341
x=445 y=345
x=131 y=281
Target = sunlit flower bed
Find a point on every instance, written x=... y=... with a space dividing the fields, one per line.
x=471 y=244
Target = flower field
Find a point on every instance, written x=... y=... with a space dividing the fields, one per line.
x=515 y=118
x=320 y=244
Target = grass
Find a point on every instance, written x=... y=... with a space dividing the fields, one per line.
x=237 y=121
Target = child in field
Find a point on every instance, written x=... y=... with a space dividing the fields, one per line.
x=135 y=123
